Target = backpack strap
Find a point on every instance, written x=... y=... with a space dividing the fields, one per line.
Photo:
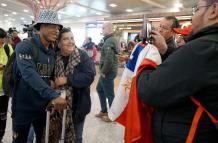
x=196 y=119
x=7 y=50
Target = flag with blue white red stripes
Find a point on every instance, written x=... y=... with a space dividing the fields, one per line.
x=121 y=99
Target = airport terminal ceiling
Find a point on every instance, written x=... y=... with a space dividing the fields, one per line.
x=23 y=11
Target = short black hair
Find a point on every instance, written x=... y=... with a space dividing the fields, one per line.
x=175 y=21
x=90 y=39
x=63 y=30
x=14 y=31
x=3 y=34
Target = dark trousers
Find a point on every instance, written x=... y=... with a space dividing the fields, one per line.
x=105 y=90
x=78 y=127
x=3 y=114
x=21 y=130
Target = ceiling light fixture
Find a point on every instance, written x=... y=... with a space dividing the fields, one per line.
x=129 y=10
x=22 y=18
x=6 y=15
x=175 y=9
x=3 y=4
x=83 y=9
x=156 y=4
x=179 y=5
x=98 y=13
x=113 y=5
x=14 y=13
x=26 y=10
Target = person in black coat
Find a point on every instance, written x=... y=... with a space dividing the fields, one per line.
x=190 y=71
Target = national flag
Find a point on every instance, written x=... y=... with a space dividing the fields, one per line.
x=135 y=115
x=122 y=94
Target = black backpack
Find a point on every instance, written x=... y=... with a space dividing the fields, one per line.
x=11 y=74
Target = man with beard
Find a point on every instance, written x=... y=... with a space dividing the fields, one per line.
x=183 y=89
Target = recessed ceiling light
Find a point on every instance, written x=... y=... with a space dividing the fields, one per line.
x=179 y=5
x=22 y=18
x=26 y=10
x=14 y=13
x=113 y=5
x=3 y=4
x=175 y=9
x=129 y=10
x=83 y=9
x=98 y=13
x=6 y=15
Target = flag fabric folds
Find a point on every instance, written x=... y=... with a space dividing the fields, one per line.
x=136 y=117
x=122 y=94
x=127 y=109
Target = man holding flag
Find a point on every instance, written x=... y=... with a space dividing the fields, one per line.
x=126 y=108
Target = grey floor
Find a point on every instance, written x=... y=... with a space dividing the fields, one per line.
x=95 y=130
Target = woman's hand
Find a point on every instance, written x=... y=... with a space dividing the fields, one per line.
x=52 y=84
x=60 y=81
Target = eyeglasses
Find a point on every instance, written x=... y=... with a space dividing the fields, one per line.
x=164 y=27
x=196 y=8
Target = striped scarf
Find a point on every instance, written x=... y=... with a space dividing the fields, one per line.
x=74 y=60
